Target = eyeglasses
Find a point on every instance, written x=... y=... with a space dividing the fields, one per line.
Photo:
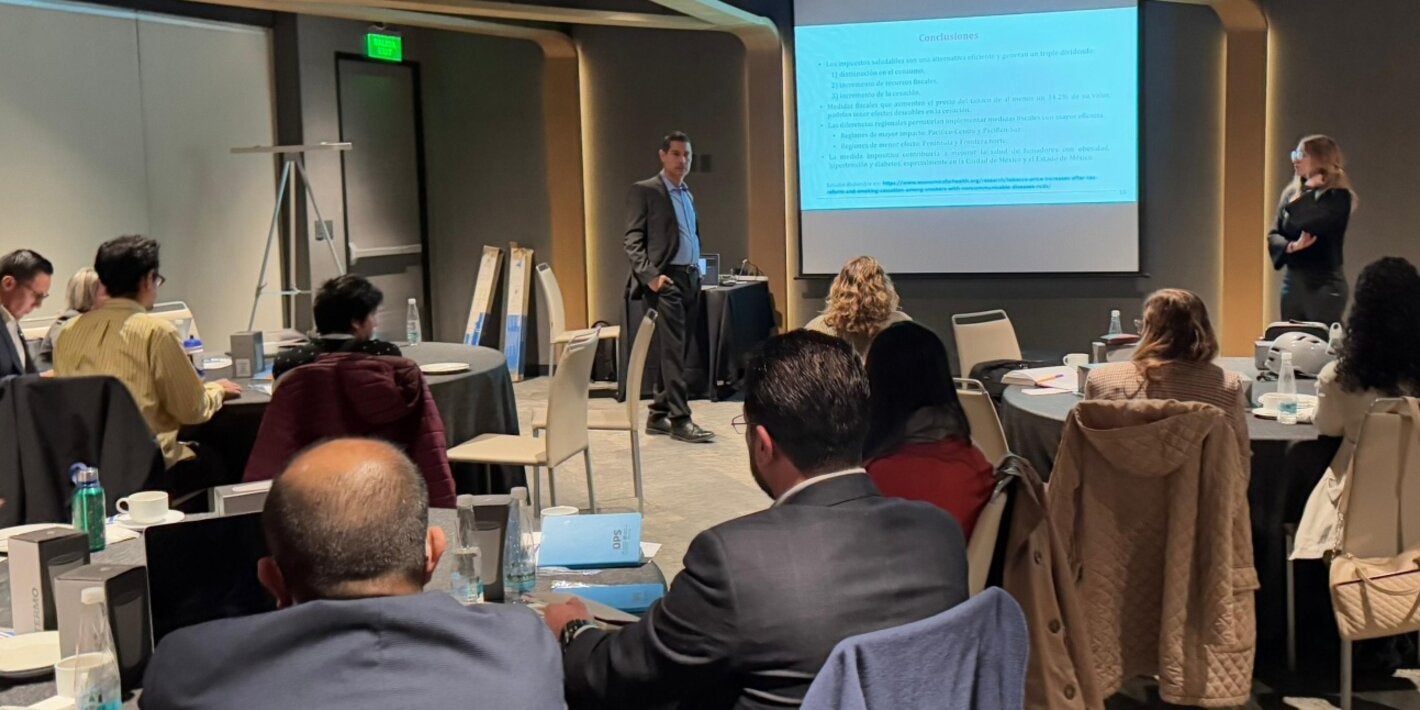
x=39 y=297
x=158 y=280
x=740 y=424
x=1297 y=155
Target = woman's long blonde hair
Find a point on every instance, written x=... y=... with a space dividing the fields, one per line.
x=861 y=299
x=1176 y=329
x=1332 y=163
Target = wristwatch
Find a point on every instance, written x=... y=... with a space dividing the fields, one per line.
x=572 y=629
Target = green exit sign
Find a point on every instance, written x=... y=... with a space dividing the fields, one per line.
x=388 y=48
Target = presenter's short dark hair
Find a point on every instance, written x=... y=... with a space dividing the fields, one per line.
x=25 y=264
x=810 y=392
x=370 y=524
x=123 y=263
x=674 y=137
x=344 y=300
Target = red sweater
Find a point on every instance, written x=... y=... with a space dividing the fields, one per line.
x=950 y=474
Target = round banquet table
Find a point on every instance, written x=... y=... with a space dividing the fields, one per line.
x=477 y=401
x=131 y=552
x=1287 y=462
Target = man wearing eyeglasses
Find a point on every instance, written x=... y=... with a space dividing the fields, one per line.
x=24 y=284
x=121 y=339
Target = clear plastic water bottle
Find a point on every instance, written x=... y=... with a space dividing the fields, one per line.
x=87 y=504
x=1333 y=341
x=1287 y=388
x=413 y=331
x=519 y=567
x=467 y=578
x=1115 y=328
x=96 y=679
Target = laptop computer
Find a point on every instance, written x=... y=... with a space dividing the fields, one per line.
x=204 y=569
x=709 y=270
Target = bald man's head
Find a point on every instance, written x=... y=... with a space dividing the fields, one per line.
x=347 y=517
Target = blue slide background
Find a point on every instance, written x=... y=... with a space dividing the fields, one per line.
x=1025 y=109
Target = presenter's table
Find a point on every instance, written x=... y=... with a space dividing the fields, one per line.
x=477 y=401
x=132 y=553
x=1287 y=462
x=732 y=322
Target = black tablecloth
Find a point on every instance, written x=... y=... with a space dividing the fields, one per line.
x=478 y=401
x=132 y=553
x=732 y=322
x=1287 y=462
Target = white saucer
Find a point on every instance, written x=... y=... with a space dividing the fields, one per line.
x=1304 y=414
x=29 y=656
x=173 y=516
x=444 y=368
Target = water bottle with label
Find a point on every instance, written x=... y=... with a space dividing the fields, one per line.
x=1115 y=328
x=519 y=569
x=87 y=504
x=467 y=578
x=1287 y=388
x=96 y=679
x=413 y=331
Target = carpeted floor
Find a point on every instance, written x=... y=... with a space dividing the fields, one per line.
x=691 y=487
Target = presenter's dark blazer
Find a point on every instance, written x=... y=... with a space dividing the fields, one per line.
x=11 y=364
x=764 y=598
x=652 y=232
x=418 y=652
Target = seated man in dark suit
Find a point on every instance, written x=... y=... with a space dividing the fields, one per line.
x=345 y=308
x=346 y=524
x=763 y=599
x=24 y=284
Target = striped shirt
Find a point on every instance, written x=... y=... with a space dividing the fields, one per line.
x=121 y=340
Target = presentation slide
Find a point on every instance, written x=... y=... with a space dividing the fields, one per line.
x=985 y=143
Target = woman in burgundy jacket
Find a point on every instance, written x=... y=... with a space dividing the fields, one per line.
x=919 y=442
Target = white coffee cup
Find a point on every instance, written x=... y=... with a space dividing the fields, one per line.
x=70 y=672
x=1076 y=359
x=144 y=507
x=558 y=510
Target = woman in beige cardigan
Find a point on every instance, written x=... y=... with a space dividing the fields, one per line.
x=1174 y=360
x=861 y=303
x=1378 y=359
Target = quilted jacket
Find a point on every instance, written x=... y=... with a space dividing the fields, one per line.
x=1037 y=572
x=351 y=394
x=1150 y=498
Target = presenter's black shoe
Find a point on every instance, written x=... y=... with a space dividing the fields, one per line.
x=690 y=432
x=658 y=425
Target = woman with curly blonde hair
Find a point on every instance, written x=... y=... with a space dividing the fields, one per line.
x=861 y=303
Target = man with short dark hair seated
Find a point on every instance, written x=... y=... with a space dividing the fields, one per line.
x=345 y=309
x=351 y=550
x=763 y=599
x=24 y=284
x=121 y=339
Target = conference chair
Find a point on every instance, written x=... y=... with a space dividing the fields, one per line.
x=559 y=336
x=566 y=426
x=626 y=417
x=1380 y=506
x=982 y=337
x=986 y=431
x=981 y=548
x=972 y=655
x=35 y=328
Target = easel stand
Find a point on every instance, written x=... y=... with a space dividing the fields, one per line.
x=293 y=161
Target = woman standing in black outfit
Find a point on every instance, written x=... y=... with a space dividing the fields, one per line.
x=1310 y=231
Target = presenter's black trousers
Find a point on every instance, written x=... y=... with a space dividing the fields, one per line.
x=676 y=308
x=1314 y=295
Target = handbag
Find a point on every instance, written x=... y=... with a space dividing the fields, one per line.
x=1374 y=597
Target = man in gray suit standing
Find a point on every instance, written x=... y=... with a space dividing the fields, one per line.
x=764 y=598
x=351 y=550
x=663 y=245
